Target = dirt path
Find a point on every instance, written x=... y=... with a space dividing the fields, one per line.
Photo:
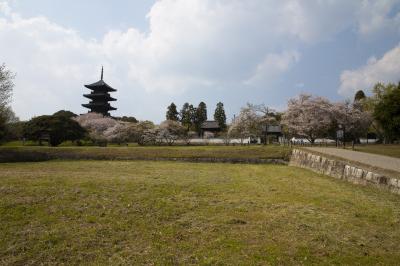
x=381 y=161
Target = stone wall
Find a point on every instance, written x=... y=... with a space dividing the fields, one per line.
x=20 y=155
x=343 y=170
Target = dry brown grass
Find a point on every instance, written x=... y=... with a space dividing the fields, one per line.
x=166 y=213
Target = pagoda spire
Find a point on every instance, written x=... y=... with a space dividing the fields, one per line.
x=102 y=73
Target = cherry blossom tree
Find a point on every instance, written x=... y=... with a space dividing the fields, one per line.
x=118 y=133
x=248 y=123
x=268 y=116
x=170 y=131
x=308 y=117
x=188 y=136
x=150 y=137
x=351 y=118
x=97 y=125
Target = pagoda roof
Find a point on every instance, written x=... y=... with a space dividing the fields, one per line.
x=99 y=106
x=99 y=95
x=100 y=86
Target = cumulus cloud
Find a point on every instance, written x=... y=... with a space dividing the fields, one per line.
x=385 y=69
x=190 y=45
x=272 y=66
x=378 y=16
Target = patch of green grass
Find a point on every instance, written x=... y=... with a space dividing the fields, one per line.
x=18 y=143
x=145 y=152
x=168 y=213
x=392 y=150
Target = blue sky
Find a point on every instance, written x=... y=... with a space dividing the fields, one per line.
x=92 y=18
x=158 y=52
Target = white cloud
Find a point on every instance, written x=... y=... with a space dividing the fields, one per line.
x=191 y=44
x=375 y=17
x=272 y=66
x=385 y=69
x=5 y=8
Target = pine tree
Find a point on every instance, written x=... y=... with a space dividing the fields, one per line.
x=172 y=113
x=220 y=116
x=360 y=95
x=202 y=112
x=201 y=116
x=186 y=116
x=193 y=115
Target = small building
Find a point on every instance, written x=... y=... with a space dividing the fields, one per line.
x=210 y=126
x=100 y=97
x=271 y=132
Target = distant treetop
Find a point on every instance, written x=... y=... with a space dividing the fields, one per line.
x=65 y=113
x=359 y=96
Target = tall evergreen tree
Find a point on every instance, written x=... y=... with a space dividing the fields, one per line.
x=193 y=115
x=220 y=116
x=201 y=116
x=202 y=111
x=172 y=113
x=186 y=116
x=359 y=96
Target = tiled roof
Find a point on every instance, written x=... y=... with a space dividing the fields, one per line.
x=210 y=124
x=273 y=129
x=100 y=85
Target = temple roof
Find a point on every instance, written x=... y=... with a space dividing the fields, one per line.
x=100 y=95
x=97 y=106
x=100 y=86
x=272 y=128
x=210 y=125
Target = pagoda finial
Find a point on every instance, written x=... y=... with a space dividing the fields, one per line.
x=102 y=72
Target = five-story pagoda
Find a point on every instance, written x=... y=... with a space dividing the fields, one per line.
x=100 y=97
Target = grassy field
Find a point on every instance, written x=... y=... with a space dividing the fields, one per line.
x=382 y=149
x=144 y=152
x=169 y=213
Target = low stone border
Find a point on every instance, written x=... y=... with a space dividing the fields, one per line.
x=11 y=156
x=215 y=160
x=343 y=170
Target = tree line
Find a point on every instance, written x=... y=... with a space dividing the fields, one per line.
x=192 y=117
x=316 y=117
x=306 y=116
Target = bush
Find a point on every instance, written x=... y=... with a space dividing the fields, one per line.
x=54 y=128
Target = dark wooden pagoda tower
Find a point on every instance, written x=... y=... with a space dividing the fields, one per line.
x=100 y=97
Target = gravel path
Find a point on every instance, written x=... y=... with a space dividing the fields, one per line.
x=375 y=160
